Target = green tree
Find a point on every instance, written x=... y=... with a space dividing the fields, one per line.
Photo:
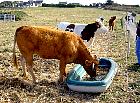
x=6 y=4
x=109 y=2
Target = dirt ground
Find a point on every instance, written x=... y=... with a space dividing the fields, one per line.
x=124 y=89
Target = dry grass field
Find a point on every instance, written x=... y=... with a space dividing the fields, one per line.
x=126 y=84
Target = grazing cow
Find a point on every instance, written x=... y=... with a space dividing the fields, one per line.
x=112 y=23
x=51 y=43
x=86 y=31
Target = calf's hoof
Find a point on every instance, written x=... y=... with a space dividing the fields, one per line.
x=61 y=80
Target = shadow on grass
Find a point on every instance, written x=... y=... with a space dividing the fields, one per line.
x=134 y=68
x=63 y=88
x=134 y=85
x=6 y=83
x=44 y=87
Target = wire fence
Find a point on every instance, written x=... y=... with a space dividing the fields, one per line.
x=130 y=32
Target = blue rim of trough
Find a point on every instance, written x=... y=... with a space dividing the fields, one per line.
x=75 y=82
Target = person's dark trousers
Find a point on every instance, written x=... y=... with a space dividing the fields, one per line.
x=138 y=49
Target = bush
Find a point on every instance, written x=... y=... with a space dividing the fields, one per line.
x=135 y=8
x=19 y=14
x=60 y=5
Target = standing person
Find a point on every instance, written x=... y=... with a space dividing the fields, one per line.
x=138 y=43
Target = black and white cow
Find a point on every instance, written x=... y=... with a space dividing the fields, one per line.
x=86 y=31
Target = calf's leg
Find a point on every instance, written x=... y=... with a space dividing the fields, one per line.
x=29 y=62
x=112 y=26
x=109 y=27
x=23 y=65
x=62 y=71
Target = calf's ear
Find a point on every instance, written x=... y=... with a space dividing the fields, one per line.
x=95 y=56
x=88 y=63
x=96 y=61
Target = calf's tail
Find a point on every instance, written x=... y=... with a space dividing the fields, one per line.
x=14 y=54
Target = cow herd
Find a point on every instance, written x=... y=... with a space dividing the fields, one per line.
x=65 y=43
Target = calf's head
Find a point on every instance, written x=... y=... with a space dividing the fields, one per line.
x=113 y=18
x=91 y=66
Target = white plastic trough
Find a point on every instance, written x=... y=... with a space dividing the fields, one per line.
x=75 y=82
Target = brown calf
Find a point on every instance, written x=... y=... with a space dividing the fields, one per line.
x=112 y=23
x=50 y=43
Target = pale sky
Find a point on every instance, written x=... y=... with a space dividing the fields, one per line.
x=129 y=2
x=87 y=2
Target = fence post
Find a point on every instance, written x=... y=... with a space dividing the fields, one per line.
x=128 y=38
x=14 y=17
x=11 y=17
x=4 y=17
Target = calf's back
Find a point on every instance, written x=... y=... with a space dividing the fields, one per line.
x=48 y=43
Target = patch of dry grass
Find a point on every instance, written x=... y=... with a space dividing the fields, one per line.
x=113 y=45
